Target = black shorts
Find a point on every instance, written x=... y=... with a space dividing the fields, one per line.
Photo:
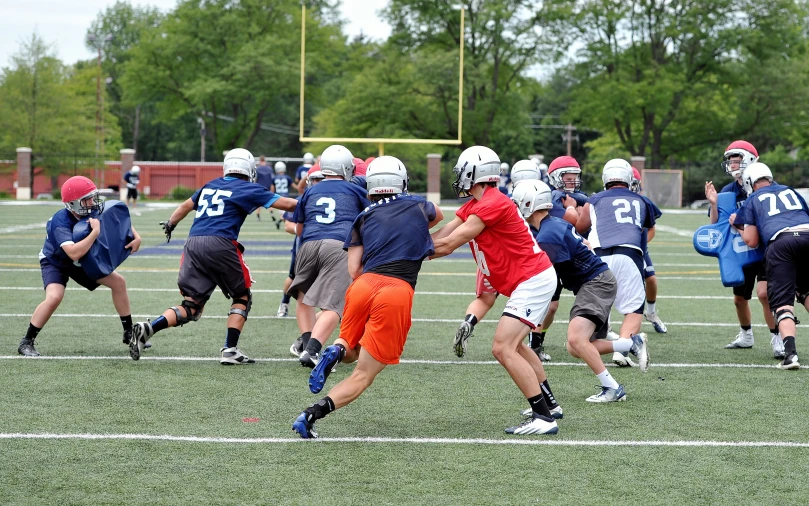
x=211 y=261
x=558 y=293
x=60 y=274
x=751 y=271
x=132 y=193
x=787 y=268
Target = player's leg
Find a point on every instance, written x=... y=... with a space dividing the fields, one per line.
x=784 y=255
x=534 y=361
x=305 y=274
x=120 y=299
x=629 y=301
x=651 y=313
x=536 y=339
x=485 y=297
x=54 y=293
x=741 y=300
x=775 y=337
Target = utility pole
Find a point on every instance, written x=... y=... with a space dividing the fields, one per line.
x=202 y=133
x=98 y=42
x=569 y=139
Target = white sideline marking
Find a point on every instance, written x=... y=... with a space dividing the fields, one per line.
x=414 y=440
x=126 y=358
x=173 y=272
x=18 y=228
x=675 y=231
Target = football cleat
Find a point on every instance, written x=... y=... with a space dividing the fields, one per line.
x=556 y=412
x=325 y=366
x=127 y=336
x=622 y=360
x=141 y=332
x=612 y=336
x=461 y=337
x=27 y=349
x=307 y=360
x=653 y=318
x=297 y=347
x=744 y=340
x=640 y=349
x=608 y=394
x=777 y=346
x=789 y=363
x=537 y=424
x=304 y=427
x=283 y=310
x=540 y=351
x=234 y=356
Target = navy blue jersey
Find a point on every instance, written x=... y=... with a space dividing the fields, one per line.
x=644 y=238
x=558 y=197
x=282 y=183
x=302 y=171
x=504 y=182
x=619 y=217
x=224 y=203
x=574 y=262
x=132 y=180
x=58 y=232
x=557 y=211
x=328 y=209
x=393 y=229
x=772 y=209
x=735 y=188
x=264 y=175
x=360 y=181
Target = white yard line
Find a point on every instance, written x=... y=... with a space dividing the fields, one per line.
x=675 y=231
x=18 y=228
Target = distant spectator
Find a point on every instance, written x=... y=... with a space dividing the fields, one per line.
x=264 y=177
x=132 y=180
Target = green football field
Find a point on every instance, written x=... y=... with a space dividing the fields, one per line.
x=86 y=424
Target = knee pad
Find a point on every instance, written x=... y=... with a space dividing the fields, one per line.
x=187 y=316
x=247 y=302
x=783 y=314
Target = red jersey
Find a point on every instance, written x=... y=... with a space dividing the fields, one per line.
x=506 y=252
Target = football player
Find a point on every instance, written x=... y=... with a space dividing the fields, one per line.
x=505 y=179
x=387 y=244
x=212 y=255
x=60 y=256
x=617 y=219
x=777 y=216
x=650 y=314
x=132 y=180
x=590 y=280
x=738 y=155
x=514 y=265
x=324 y=218
x=303 y=169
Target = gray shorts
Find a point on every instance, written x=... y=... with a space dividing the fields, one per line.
x=211 y=261
x=594 y=301
x=321 y=274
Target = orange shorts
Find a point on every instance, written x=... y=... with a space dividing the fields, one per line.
x=377 y=316
x=482 y=285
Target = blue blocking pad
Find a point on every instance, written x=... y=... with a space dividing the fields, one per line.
x=108 y=250
x=723 y=241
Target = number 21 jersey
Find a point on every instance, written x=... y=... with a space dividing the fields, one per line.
x=619 y=217
x=506 y=252
x=328 y=209
x=224 y=203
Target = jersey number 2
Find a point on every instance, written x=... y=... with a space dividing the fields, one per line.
x=215 y=201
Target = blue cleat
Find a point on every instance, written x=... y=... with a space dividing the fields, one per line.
x=325 y=365
x=304 y=428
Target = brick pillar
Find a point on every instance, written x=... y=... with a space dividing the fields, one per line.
x=127 y=161
x=25 y=181
x=638 y=162
x=434 y=178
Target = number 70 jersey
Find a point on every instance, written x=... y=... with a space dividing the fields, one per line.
x=619 y=217
x=224 y=203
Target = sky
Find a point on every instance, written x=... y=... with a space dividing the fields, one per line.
x=65 y=23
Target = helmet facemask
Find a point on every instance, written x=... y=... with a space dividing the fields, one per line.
x=88 y=205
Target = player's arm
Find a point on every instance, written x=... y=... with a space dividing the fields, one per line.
x=711 y=195
x=77 y=250
x=461 y=235
x=446 y=229
x=750 y=235
x=285 y=204
x=176 y=217
x=134 y=245
x=439 y=217
x=355 y=261
x=650 y=234
x=290 y=227
x=583 y=223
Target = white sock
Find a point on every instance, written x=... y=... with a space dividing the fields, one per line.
x=607 y=380
x=622 y=345
x=650 y=307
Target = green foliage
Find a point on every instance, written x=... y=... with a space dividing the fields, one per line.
x=180 y=193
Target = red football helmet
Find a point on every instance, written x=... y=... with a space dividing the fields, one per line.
x=80 y=195
x=743 y=149
x=561 y=166
x=635 y=186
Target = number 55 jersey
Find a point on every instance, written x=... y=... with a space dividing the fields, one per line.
x=224 y=203
x=618 y=217
x=328 y=210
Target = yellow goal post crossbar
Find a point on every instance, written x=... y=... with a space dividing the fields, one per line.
x=376 y=140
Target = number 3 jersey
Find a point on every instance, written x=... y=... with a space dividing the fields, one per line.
x=224 y=203
x=328 y=209
x=506 y=252
x=773 y=209
x=618 y=217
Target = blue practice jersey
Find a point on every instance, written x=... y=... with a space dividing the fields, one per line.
x=574 y=262
x=773 y=209
x=282 y=183
x=619 y=217
x=132 y=180
x=393 y=229
x=558 y=197
x=302 y=171
x=504 y=182
x=645 y=237
x=264 y=175
x=735 y=188
x=328 y=209
x=360 y=181
x=557 y=211
x=224 y=203
x=58 y=232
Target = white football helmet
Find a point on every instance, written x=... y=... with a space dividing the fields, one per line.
x=314 y=177
x=617 y=171
x=386 y=175
x=754 y=172
x=748 y=154
x=337 y=160
x=532 y=196
x=524 y=169
x=240 y=161
x=135 y=170
x=477 y=164
x=308 y=159
x=504 y=169
x=280 y=168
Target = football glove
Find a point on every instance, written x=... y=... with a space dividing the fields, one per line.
x=168 y=228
